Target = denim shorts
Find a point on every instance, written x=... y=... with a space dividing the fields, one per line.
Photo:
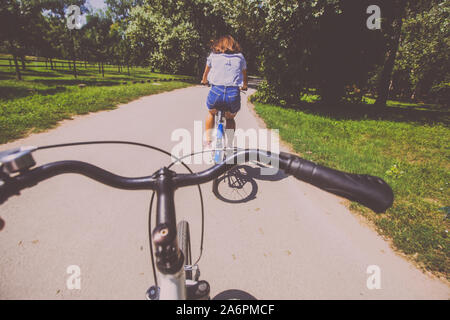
x=224 y=98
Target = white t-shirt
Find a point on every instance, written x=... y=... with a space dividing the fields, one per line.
x=226 y=69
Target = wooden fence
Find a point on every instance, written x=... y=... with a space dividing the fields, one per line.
x=75 y=66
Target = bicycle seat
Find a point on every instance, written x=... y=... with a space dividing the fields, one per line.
x=221 y=108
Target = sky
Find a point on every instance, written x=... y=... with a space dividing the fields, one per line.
x=93 y=4
x=96 y=4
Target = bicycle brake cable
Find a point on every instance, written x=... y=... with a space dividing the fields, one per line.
x=153 y=194
x=201 y=198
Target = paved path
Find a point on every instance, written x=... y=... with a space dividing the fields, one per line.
x=293 y=241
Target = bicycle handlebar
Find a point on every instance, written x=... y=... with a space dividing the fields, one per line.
x=369 y=191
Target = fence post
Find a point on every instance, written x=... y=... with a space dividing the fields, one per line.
x=75 y=68
x=22 y=59
x=16 y=64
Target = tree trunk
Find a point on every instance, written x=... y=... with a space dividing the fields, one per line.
x=386 y=73
x=75 y=68
x=51 y=63
x=415 y=91
x=74 y=54
x=99 y=68
x=22 y=59
x=103 y=71
x=128 y=66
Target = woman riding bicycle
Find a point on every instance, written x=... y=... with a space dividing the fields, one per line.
x=226 y=71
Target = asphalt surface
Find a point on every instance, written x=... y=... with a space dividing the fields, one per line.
x=290 y=241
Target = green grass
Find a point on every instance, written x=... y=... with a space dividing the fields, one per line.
x=408 y=151
x=45 y=97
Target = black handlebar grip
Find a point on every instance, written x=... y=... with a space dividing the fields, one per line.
x=370 y=191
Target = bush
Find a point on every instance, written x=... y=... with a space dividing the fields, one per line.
x=441 y=93
x=267 y=94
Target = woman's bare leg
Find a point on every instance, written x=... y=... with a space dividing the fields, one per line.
x=209 y=124
x=230 y=127
x=231 y=124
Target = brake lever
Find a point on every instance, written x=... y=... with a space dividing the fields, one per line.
x=11 y=161
x=17 y=159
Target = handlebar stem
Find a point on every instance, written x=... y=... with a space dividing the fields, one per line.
x=169 y=258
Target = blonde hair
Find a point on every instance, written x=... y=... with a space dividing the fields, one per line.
x=225 y=44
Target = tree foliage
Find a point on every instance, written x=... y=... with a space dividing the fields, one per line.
x=173 y=36
x=295 y=45
x=422 y=66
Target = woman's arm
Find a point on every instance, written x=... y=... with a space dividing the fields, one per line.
x=245 y=84
x=205 y=75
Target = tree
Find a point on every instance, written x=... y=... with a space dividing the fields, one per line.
x=344 y=52
x=286 y=39
x=119 y=10
x=173 y=36
x=25 y=29
x=400 y=11
x=99 y=37
x=424 y=52
x=245 y=20
x=141 y=34
x=287 y=44
x=393 y=26
x=17 y=31
x=50 y=46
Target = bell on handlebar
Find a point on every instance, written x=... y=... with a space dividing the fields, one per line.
x=17 y=159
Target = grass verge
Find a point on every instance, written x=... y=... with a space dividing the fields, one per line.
x=412 y=156
x=46 y=97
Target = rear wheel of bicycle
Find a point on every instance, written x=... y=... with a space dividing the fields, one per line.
x=184 y=242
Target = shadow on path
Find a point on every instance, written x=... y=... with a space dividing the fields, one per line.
x=238 y=185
